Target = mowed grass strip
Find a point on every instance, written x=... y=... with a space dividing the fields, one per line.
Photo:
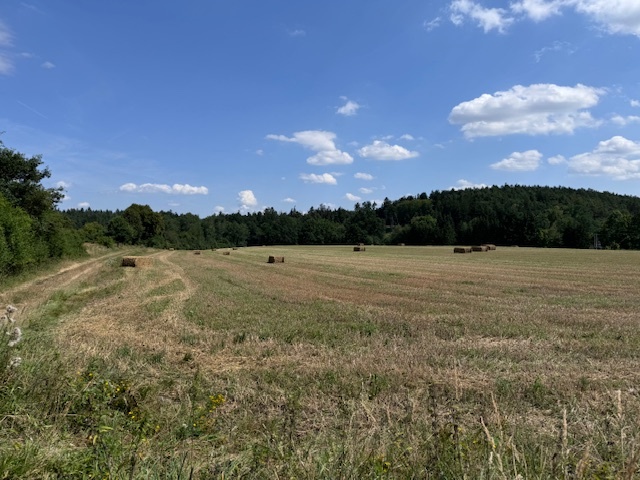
x=397 y=362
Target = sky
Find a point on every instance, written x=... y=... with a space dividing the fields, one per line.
x=208 y=106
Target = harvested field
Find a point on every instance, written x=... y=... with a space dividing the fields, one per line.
x=401 y=363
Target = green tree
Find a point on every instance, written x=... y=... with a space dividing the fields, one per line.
x=20 y=179
x=16 y=239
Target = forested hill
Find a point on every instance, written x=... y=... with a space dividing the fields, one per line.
x=506 y=215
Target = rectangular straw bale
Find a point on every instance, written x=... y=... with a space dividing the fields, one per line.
x=273 y=259
x=462 y=250
x=490 y=246
x=480 y=248
x=359 y=249
x=226 y=253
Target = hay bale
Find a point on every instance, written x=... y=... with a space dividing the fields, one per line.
x=480 y=248
x=136 y=261
x=273 y=259
x=490 y=246
x=462 y=250
x=234 y=248
x=226 y=253
x=359 y=249
x=196 y=253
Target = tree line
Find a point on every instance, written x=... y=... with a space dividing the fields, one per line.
x=506 y=215
x=34 y=230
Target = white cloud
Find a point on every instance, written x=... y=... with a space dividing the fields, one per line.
x=622 y=121
x=289 y=200
x=431 y=24
x=538 y=10
x=463 y=184
x=363 y=176
x=615 y=16
x=534 y=110
x=365 y=191
x=330 y=157
x=555 y=47
x=175 y=189
x=48 y=65
x=635 y=103
x=6 y=38
x=352 y=198
x=62 y=184
x=6 y=65
x=407 y=136
x=319 y=141
x=380 y=150
x=84 y=205
x=349 y=109
x=487 y=18
x=260 y=152
x=297 y=33
x=618 y=158
x=247 y=200
x=316 y=140
x=519 y=162
x=218 y=209
x=556 y=160
x=323 y=178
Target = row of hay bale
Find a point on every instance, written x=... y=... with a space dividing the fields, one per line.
x=485 y=247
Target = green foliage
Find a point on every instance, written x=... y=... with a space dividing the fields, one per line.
x=16 y=239
x=20 y=179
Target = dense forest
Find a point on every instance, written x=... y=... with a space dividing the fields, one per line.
x=507 y=215
x=33 y=229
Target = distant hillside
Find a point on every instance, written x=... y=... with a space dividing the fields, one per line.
x=506 y=215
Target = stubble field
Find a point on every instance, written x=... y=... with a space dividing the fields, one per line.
x=396 y=362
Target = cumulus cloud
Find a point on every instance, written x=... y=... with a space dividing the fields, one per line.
x=349 y=109
x=622 y=121
x=323 y=178
x=487 y=18
x=84 y=205
x=618 y=158
x=62 y=184
x=289 y=200
x=463 y=184
x=614 y=17
x=380 y=150
x=218 y=209
x=537 y=109
x=407 y=136
x=330 y=157
x=319 y=141
x=365 y=191
x=538 y=10
x=247 y=200
x=519 y=162
x=635 y=103
x=352 y=198
x=175 y=189
x=620 y=16
x=363 y=176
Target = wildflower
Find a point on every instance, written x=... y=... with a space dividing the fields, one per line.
x=14 y=337
x=15 y=362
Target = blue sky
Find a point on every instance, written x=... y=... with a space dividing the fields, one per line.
x=205 y=106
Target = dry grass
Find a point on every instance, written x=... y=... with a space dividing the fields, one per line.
x=384 y=355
